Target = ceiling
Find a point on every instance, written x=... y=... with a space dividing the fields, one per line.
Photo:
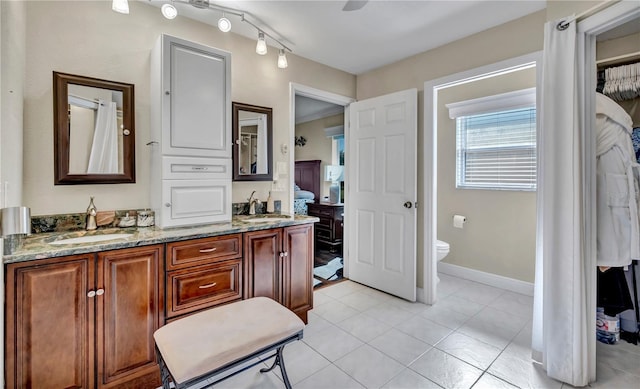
x=380 y=33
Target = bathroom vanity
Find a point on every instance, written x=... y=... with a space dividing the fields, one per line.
x=83 y=315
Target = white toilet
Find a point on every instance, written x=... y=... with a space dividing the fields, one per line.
x=442 y=249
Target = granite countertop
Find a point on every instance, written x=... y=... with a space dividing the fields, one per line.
x=38 y=246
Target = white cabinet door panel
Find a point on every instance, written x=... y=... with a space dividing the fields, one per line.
x=196 y=100
x=189 y=202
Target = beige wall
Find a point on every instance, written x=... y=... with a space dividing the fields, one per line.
x=318 y=146
x=513 y=39
x=500 y=234
x=89 y=39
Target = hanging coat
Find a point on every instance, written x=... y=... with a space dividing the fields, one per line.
x=617 y=186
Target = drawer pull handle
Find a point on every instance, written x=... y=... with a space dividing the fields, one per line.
x=208 y=250
x=199 y=168
x=211 y=285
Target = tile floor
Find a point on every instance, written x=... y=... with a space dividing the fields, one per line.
x=475 y=336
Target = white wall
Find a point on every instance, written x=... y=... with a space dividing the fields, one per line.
x=500 y=234
x=89 y=39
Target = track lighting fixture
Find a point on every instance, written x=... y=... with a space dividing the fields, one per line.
x=224 y=24
x=120 y=6
x=282 y=59
x=169 y=11
x=261 y=46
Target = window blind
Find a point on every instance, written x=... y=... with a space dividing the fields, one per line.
x=497 y=150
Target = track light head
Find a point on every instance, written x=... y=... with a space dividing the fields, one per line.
x=120 y=6
x=169 y=11
x=261 y=46
x=282 y=59
x=224 y=24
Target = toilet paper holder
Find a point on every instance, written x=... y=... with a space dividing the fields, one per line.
x=459 y=221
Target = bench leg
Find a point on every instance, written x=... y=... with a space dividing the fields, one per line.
x=280 y=362
x=164 y=372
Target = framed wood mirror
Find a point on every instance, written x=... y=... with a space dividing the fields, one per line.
x=253 y=143
x=94 y=131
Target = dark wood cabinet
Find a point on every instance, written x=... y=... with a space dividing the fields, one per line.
x=278 y=263
x=329 y=228
x=202 y=273
x=128 y=313
x=84 y=321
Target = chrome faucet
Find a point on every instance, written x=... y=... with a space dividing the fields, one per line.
x=91 y=216
x=252 y=204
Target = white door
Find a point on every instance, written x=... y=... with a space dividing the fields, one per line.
x=381 y=173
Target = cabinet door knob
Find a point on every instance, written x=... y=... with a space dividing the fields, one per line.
x=407 y=204
x=286 y=253
x=281 y=255
x=91 y=293
x=167 y=92
x=167 y=205
x=99 y=292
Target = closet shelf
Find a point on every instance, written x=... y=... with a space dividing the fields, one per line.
x=618 y=60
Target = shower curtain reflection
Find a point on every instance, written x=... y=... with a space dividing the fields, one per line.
x=104 y=149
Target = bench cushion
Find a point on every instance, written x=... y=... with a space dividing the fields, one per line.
x=201 y=343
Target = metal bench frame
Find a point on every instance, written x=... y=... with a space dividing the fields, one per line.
x=166 y=376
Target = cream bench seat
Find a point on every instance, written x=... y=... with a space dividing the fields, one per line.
x=206 y=344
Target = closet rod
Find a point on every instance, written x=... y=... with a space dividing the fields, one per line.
x=618 y=58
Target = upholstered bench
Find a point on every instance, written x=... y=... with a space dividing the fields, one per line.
x=208 y=344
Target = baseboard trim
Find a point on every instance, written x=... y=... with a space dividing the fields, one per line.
x=490 y=279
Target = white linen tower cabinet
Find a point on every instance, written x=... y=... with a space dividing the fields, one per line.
x=190 y=133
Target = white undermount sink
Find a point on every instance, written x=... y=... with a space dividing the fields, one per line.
x=265 y=219
x=90 y=239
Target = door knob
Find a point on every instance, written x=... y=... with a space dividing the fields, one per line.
x=407 y=204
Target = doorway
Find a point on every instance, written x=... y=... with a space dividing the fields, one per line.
x=318 y=123
x=433 y=90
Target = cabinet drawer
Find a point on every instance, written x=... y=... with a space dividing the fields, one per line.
x=325 y=222
x=186 y=168
x=203 y=287
x=203 y=251
x=323 y=234
x=313 y=211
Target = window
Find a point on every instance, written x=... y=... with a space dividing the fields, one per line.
x=496 y=150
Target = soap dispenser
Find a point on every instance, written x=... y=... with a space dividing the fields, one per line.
x=270 y=205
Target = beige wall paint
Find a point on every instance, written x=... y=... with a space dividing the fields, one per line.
x=87 y=38
x=12 y=74
x=619 y=46
x=513 y=39
x=558 y=9
x=318 y=146
x=500 y=234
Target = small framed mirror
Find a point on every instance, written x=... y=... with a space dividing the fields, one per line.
x=94 y=132
x=253 y=138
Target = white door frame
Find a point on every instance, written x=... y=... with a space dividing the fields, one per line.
x=430 y=146
x=587 y=31
x=329 y=97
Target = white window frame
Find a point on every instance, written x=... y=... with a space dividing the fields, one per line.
x=504 y=102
